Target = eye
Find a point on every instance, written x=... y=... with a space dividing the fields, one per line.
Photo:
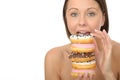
x=91 y=14
x=74 y=14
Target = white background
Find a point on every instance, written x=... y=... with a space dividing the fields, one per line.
x=29 y=28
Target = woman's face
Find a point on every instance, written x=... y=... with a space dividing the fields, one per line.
x=84 y=16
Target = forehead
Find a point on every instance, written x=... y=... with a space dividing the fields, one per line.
x=82 y=4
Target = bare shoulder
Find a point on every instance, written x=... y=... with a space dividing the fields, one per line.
x=53 y=62
x=116 y=50
x=54 y=54
x=116 y=47
x=116 y=55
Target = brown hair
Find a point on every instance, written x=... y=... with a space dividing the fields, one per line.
x=103 y=6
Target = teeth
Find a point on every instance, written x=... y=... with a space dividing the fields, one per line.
x=83 y=34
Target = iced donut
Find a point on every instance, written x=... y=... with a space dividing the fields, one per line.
x=82 y=54
x=81 y=38
x=82 y=59
x=84 y=65
x=82 y=47
x=80 y=73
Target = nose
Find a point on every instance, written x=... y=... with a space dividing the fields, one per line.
x=82 y=21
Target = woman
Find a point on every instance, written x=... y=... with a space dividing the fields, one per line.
x=85 y=16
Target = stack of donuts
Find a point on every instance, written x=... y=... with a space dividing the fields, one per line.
x=82 y=55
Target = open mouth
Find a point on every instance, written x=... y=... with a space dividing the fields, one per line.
x=83 y=33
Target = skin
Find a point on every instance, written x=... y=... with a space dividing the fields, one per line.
x=85 y=16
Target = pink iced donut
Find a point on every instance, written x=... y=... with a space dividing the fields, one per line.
x=82 y=73
x=82 y=47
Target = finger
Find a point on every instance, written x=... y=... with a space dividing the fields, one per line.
x=80 y=77
x=85 y=77
x=99 y=34
x=108 y=48
x=91 y=76
x=107 y=40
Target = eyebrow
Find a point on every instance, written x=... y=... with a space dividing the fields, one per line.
x=72 y=8
x=92 y=8
x=78 y=9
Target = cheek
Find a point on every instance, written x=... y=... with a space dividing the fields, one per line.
x=71 y=26
x=96 y=24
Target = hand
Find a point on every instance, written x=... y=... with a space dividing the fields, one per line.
x=103 y=51
x=83 y=74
